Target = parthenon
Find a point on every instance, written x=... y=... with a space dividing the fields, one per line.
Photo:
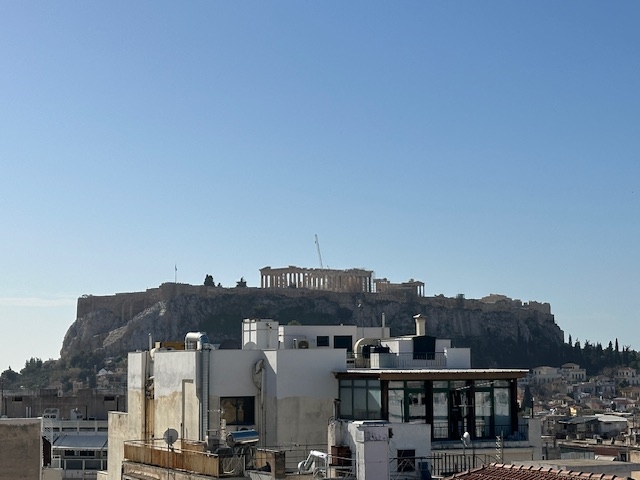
x=352 y=280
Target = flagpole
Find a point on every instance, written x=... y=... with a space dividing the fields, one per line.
x=176 y=274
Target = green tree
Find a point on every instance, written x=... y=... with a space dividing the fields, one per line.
x=208 y=281
x=31 y=366
x=9 y=376
x=608 y=355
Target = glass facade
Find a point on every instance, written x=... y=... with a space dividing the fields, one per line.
x=484 y=408
x=360 y=400
x=407 y=402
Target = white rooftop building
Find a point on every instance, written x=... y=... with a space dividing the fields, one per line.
x=351 y=397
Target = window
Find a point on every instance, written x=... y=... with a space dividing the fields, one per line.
x=322 y=341
x=440 y=409
x=343 y=341
x=406 y=460
x=407 y=401
x=502 y=411
x=360 y=400
x=238 y=410
x=483 y=414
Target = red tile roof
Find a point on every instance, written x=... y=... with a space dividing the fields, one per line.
x=498 y=471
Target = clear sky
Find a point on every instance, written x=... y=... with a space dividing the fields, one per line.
x=481 y=147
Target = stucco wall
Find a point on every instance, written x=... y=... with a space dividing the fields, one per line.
x=176 y=389
x=119 y=432
x=136 y=377
x=20 y=448
x=305 y=389
x=131 y=425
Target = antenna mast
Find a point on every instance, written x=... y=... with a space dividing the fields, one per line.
x=319 y=254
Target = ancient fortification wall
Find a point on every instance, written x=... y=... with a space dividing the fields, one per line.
x=128 y=305
x=500 y=331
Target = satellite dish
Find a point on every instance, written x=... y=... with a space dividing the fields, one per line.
x=466 y=439
x=170 y=436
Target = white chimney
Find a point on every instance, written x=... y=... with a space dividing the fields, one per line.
x=421 y=324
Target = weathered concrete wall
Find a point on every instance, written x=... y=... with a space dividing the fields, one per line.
x=119 y=431
x=176 y=381
x=136 y=379
x=20 y=448
x=135 y=471
x=305 y=390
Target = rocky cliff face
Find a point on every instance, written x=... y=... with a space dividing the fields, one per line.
x=501 y=332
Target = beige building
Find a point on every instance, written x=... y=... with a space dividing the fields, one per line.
x=20 y=448
x=628 y=374
x=546 y=374
x=572 y=373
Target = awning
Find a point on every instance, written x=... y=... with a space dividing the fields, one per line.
x=81 y=442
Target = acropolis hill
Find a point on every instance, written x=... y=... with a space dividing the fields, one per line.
x=500 y=331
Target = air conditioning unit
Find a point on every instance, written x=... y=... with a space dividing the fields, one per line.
x=300 y=343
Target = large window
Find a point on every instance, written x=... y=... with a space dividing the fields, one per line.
x=480 y=407
x=440 y=409
x=360 y=400
x=407 y=402
x=502 y=408
x=238 y=410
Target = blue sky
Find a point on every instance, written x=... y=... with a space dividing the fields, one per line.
x=481 y=147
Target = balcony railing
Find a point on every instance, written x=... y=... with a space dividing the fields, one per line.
x=198 y=462
x=441 y=434
x=397 y=360
x=79 y=464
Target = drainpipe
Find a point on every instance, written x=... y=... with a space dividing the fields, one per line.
x=206 y=357
x=258 y=369
x=200 y=341
x=263 y=430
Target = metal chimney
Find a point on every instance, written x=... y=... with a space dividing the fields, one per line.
x=421 y=324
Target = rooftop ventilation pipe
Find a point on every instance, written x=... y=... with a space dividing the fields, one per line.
x=421 y=328
x=200 y=341
x=195 y=340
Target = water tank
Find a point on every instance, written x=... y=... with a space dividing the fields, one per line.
x=242 y=437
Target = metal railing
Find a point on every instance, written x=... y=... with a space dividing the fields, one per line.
x=397 y=360
x=441 y=433
x=438 y=465
x=446 y=464
x=82 y=465
x=295 y=453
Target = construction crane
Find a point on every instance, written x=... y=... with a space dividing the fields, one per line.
x=319 y=254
